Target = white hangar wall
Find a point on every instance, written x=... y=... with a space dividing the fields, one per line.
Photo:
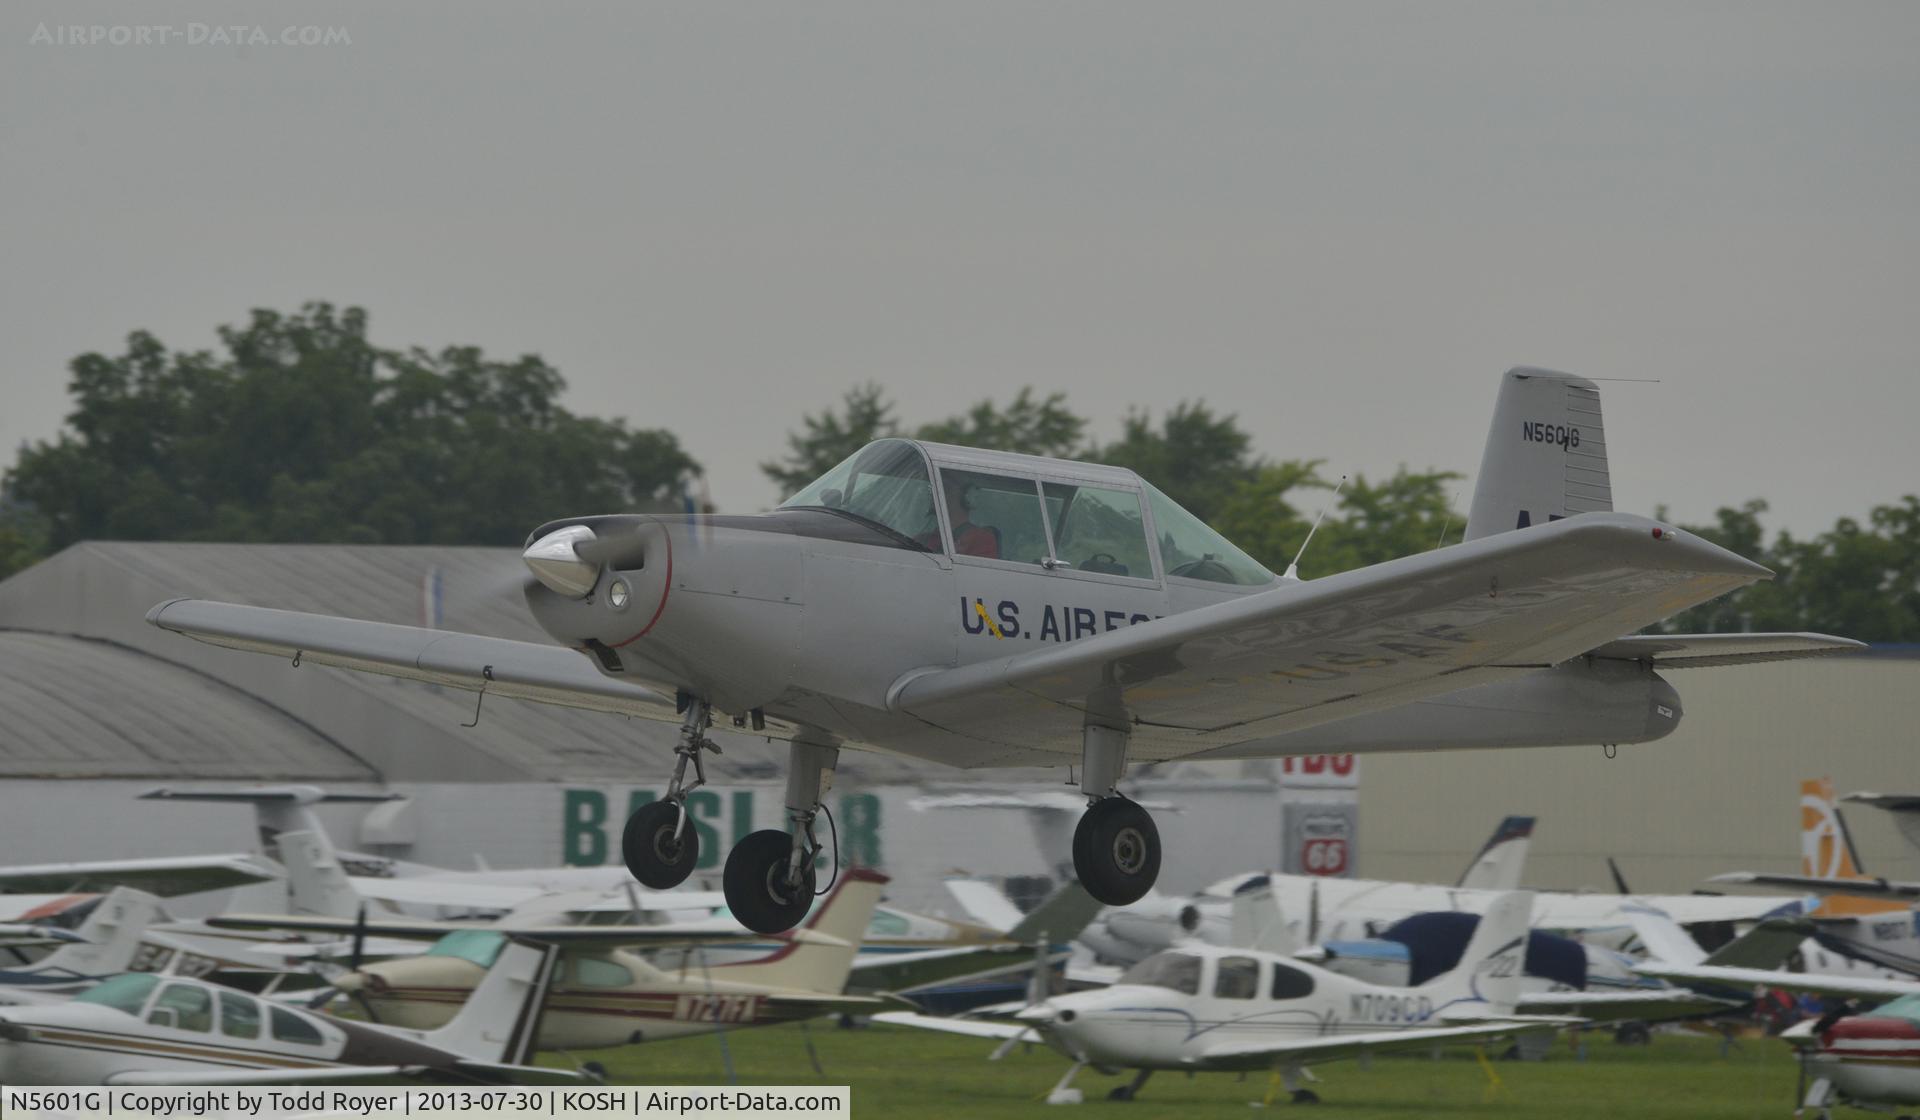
x=1719 y=794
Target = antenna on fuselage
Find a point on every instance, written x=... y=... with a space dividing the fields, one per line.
x=1293 y=569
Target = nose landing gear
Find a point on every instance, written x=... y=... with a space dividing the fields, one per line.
x=659 y=846
x=1116 y=848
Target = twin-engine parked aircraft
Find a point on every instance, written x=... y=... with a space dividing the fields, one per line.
x=143 y=1029
x=982 y=608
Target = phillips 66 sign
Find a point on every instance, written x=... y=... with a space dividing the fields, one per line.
x=1319 y=815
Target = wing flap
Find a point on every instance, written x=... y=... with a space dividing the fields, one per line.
x=523 y=670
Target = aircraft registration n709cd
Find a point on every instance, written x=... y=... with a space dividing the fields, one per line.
x=983 y=608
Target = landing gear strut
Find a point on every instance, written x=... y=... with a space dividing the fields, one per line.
x=659 y=844
x=1116 y=848
x=769 y=880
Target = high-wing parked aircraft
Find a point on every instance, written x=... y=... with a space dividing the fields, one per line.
x=142 y=1029
x=1204 y=1008
x=605 y=995
x=1861 y=916
x=105 y=945
x=983 y=608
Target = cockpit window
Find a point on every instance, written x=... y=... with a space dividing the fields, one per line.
x=192 y=1008
x=1179 y=971
x=478 y=946
x=1096 y=529
x=1906 y=1007
x=994 y=516
x=885 y=484
x=126 y=992
x=1191 y=550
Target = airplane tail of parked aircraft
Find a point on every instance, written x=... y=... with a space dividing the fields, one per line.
x=1827 y=852
x=1257 y=921
x=500 y=1021
x=1486 y=982
x=276 y=809
x=112 y=932
x=818 y=957
x=316 y=883
x=1503 y=861
x=1546 y=455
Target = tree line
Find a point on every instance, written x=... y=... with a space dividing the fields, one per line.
x=301 y=429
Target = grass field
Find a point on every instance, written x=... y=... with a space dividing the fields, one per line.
x=896 y=1071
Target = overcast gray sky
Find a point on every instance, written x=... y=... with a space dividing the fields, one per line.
x=1340 y=221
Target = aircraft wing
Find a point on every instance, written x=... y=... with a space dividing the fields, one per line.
x=974 y=1028
x=298 y=1075
x=1611 y=1007
x=1245 y=1054
x=431 y=892
x=549 y=674
x=1699 y=651
x=1302 y=654
x=165 y=876
x=650 y=937
x=1846 y=987
x=1059 y=918
x=16 y=935
x=1803 y=884
x=905 y=972
x=1575 y=913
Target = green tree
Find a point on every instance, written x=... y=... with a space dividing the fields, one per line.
x=826 y=438
x=1032 y=427
x=1199 y=459
x=303 y=430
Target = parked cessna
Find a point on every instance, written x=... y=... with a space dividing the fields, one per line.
x=142 y=1029
x=1097 y=624
x=604 y=995
x=1204 y=1008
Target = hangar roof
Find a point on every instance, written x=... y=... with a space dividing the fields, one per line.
x=127 y=694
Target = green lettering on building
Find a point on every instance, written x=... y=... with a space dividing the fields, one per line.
x=584 y=841
x=860 y=830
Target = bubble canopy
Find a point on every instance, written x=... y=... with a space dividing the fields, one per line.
x=889 y=485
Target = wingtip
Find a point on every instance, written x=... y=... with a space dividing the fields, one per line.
x=153 y=616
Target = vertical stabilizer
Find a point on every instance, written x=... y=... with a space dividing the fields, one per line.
x=1503 y=860
x=500 y=1021
x=1486 y=982
x=1257 y=922
x=1827 y=852
x=819 y=955
x=113 y=932
x=1546 y=455
x=316 y=883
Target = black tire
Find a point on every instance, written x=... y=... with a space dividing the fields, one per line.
x=654 y=855
x=756 y=883
x=1116 y=851
x=1121 y=1093
x=1305 y=1096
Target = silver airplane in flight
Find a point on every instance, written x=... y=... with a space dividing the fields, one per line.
x=982 y=608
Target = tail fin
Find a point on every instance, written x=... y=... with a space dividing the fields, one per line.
x=819 y=955
x=1827 y=852
x=1546 y=455
x=113 y=932
x=1503 y=860
x=316 y=883
x=1257 y=920
x=1486 y=982
x=276 y=809
x=500 y=1022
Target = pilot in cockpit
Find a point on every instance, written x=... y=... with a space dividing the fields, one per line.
x=968 y=539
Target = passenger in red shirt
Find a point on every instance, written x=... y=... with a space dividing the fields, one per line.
x=968 y=539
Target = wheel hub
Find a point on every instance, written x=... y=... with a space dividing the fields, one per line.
x=1129 y=850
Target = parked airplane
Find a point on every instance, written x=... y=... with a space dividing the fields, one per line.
x=1099 y=623
x=143 y=1029
x=105 y=945
x=1199 y=1008
x=605 y=995
x=1860 y=916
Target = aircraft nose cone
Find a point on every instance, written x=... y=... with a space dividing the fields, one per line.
x=553 y=562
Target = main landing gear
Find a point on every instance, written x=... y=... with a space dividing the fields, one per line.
x=769 y=878
x=1116 y=848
